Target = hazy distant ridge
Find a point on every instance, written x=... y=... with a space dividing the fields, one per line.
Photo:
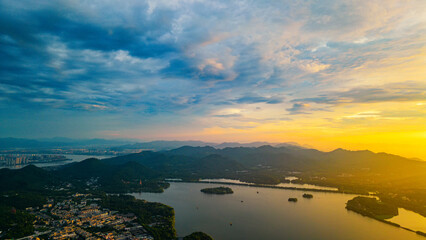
x=119 y=145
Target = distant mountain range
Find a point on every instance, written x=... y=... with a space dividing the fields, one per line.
x=120 y=145
x=45 y=143
x=168 y=145
x=278 y=160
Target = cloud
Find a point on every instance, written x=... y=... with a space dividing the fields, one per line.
x=369 y=114
x=228 y=115
x=314 y=67
x=191 y=58
x=254 y=98
x=389 y=93
x=299 y=108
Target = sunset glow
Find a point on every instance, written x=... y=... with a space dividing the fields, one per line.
x=325 y=74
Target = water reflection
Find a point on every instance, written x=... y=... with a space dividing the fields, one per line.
x=268 y=215
x=291 y=185
x=410 y=220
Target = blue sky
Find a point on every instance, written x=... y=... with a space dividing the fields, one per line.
x=191 y=69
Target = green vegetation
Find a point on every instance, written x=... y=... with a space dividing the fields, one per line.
x=198 y=236
x=292 y=199
x=15 y=223
x=128 y=177
x=14 y=220
x=22 y=200
x=217 y=190
x=371 y=207
x=307 y=195
x=158 y=218
x=38 y=184
x=28 y=178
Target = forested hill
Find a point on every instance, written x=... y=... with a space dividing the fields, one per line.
x=339 y=162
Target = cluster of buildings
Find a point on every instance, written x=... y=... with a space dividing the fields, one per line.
x=21 y=159
x=80 y=217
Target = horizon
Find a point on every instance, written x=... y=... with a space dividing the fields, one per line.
x=214 y=144
x=329 y=75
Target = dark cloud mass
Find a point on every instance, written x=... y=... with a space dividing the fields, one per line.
x=391 y=93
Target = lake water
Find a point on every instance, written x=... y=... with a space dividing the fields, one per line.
x=291 y=185
x=410 y=220
x=269 y=215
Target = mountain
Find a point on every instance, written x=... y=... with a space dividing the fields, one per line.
x=161 y=145
x=215 y=163
x=86 y=169
x=255 y=144
x=96 y=168
x=301 y=159
x=121 y=145
x=8 y=143
x=237 y=144
x=268 y=164
x=46 y=143
x=170 y=145
x=180 y=165
x=189 y=151
x=124 y=177
x=27 y=178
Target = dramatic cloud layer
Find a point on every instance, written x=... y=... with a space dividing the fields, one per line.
x=214 y=70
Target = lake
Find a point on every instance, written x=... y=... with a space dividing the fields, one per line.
x=269 y=215
x=285 y=185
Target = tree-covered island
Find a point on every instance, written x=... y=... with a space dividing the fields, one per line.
x=198 y=236
x=372 y=207
x=376 y=209
x=217 y=190
x=307 y=195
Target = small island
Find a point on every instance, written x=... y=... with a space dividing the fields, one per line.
x=217 y=190
x=307 y=195
x=198 y=236
x=372 y=207
x=292 y=199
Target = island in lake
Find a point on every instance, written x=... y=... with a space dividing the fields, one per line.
x=217 y=190
x=198 y=236
x=292 y=199
x=376 y=209
x=371 y=207
x=307 y=195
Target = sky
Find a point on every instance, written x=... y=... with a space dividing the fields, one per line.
x=326 y=74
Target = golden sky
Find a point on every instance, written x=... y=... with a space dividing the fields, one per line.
x=325 y=74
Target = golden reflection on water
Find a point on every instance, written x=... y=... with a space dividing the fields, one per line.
x=409 y=219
